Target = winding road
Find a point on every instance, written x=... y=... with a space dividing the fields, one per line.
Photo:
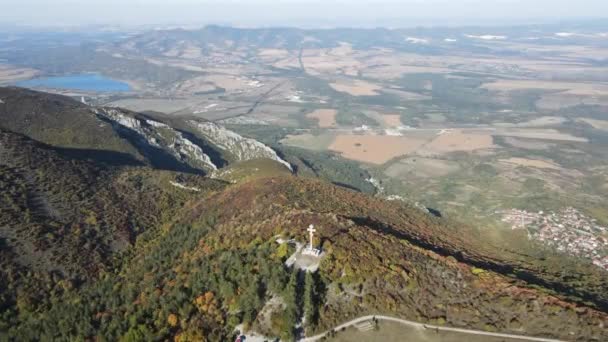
x=425 y=326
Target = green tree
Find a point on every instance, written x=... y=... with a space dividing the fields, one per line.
x=292 y=309
x=282 y=251
x=137 y=334
x=310 y=310
x=249 y=301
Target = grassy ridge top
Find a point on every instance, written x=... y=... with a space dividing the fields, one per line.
x=57 y=120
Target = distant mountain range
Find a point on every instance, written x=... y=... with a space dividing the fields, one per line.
x=112 y=227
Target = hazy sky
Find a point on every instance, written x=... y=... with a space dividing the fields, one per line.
x=294 y=12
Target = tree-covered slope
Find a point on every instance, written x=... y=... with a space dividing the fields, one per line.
x=217 y=264
x=388 y=257
x=64 y=217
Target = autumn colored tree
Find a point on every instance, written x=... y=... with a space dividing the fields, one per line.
x=172 y=320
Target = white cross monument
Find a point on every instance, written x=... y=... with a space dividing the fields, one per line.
x=311 y=250
x=311 y=231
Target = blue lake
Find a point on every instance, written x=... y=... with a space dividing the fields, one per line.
x=87 y=82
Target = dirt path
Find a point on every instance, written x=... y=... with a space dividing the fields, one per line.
x=425 y=326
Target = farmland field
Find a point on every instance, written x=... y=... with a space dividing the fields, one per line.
x=454 y=141
x=375 y=149
x=357 y=88
x=325 y=117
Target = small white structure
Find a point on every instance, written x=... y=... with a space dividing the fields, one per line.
x=362 y=128
x=310 y=250
x=445 y=131
x=393 y=132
